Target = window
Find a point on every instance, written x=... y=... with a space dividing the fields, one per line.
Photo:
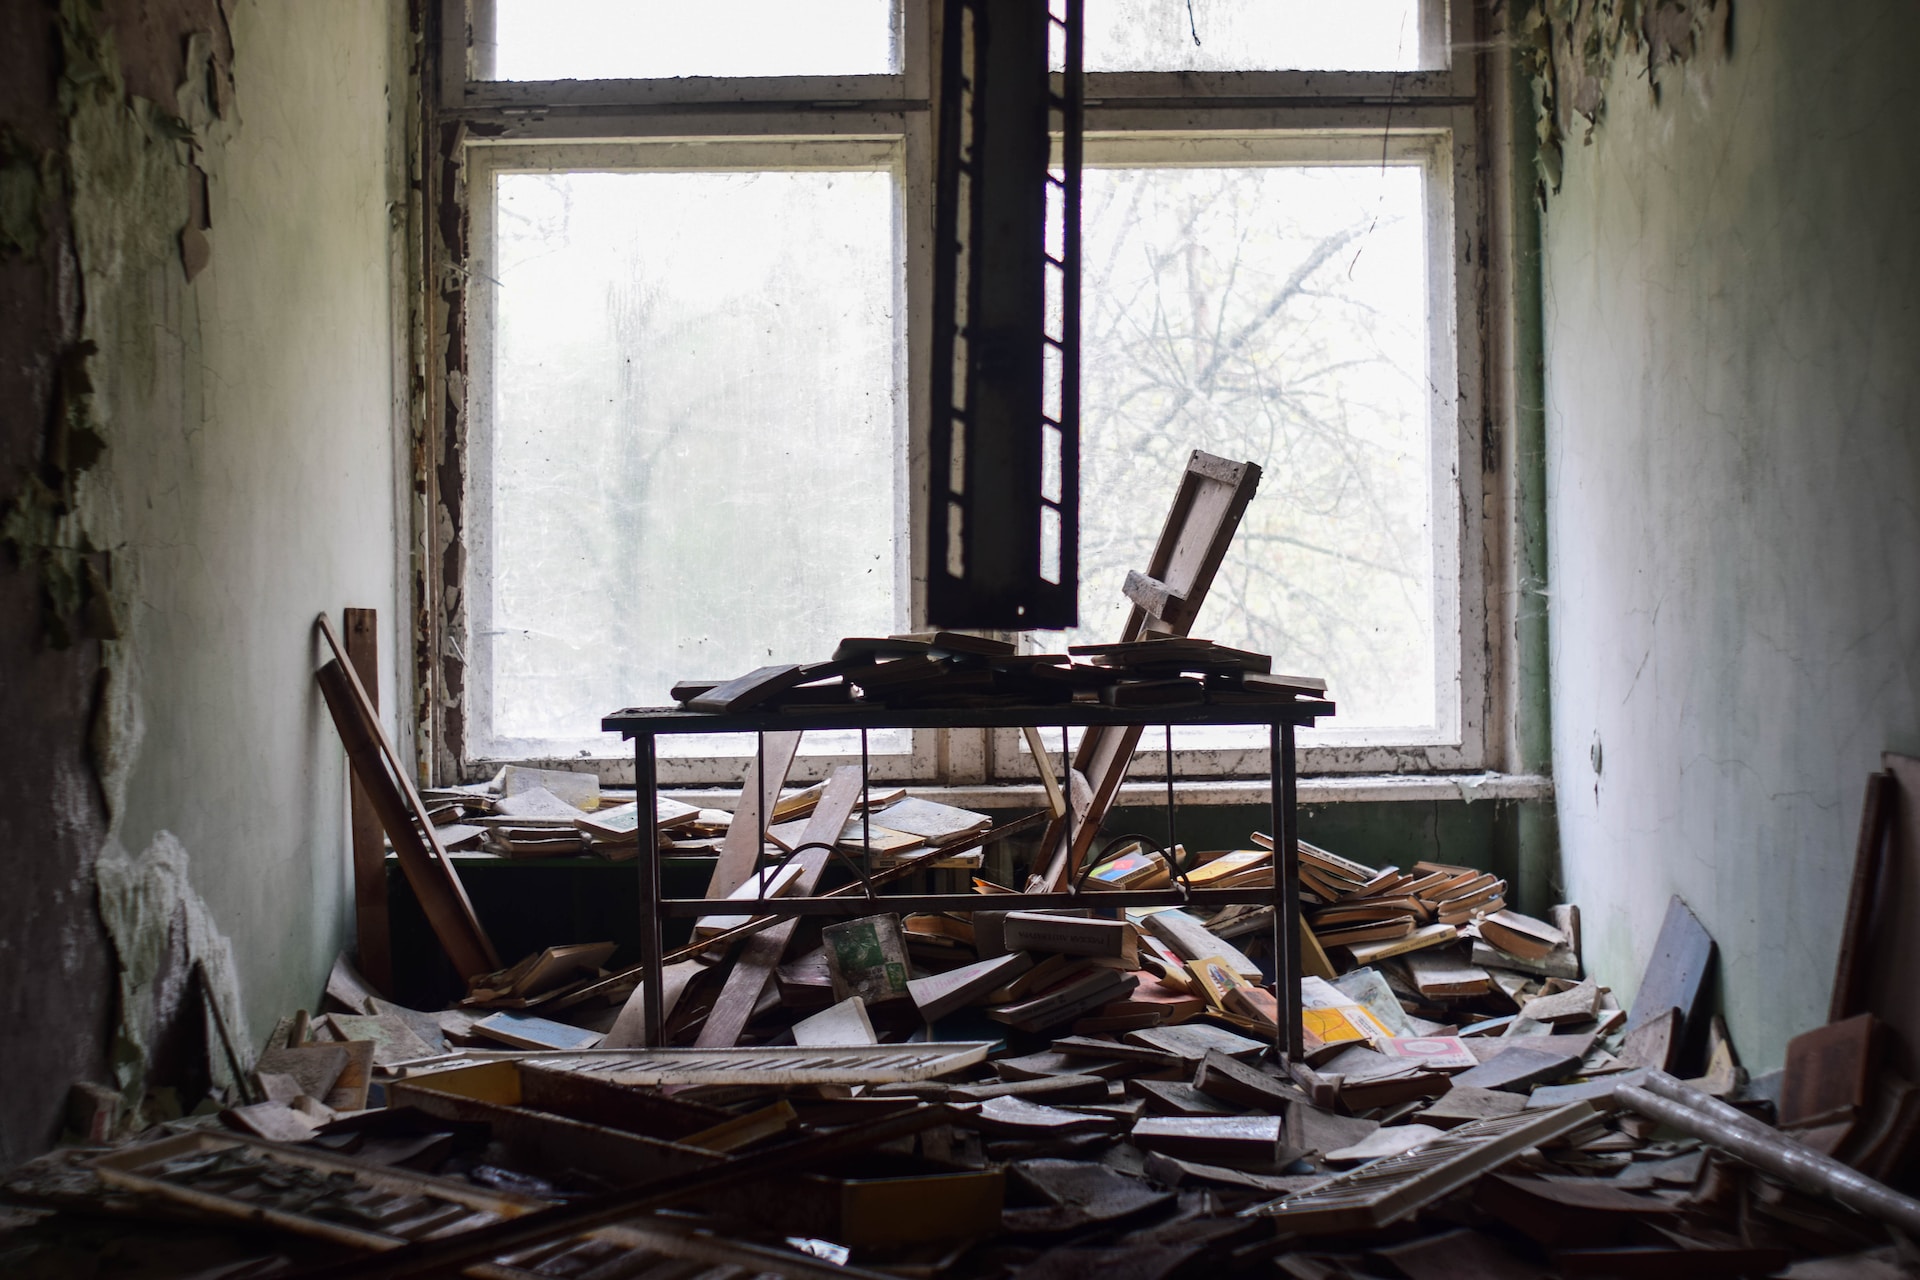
x=687 y=359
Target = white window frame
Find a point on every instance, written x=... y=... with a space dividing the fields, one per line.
x=1150 y=117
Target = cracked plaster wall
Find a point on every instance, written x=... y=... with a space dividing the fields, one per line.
x=1732 y=312
x=247 y=483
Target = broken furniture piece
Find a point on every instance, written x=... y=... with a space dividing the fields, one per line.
x=389 y=788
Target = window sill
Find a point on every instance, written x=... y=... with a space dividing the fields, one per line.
x=1323 y=789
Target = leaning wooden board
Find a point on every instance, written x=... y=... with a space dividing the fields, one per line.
x=1212 y=497
x=308 y=1192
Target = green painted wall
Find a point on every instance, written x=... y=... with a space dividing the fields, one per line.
x=1733 y=451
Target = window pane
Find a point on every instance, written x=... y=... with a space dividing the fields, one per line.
x=1253 y=35
x=645 y=39
x=1279 y=315
x=695 y=452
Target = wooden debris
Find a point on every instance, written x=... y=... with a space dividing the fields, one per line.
x=1178 y=1098
x=1065 y=1002
x=1530 y=1061
x=1576 y=1004
x=1830 y=1073
x=1394 y=1141
x=938 y=995
x=842 y=1024
x=1228 y=1140
x=1192 y=1042
x=1016 y=1118
x=763 y=952
x=389 y=789
x=1072 y=936
x=1242 y=1085
x=1676 y=977
x=1465 y=1104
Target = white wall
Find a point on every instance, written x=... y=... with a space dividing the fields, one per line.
x=1732 y=328
x=249 y=481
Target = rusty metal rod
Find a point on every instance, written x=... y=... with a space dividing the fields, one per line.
x=1680 y=1106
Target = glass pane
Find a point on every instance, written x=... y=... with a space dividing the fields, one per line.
x=1253 y=35
x=647 y=39
x=695 y=460
x=1278 y=315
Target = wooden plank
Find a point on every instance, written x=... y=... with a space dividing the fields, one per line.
x=1850 y=973
x=750 y=690
x=373 y=933
x=1056 y=798
x=740 y=850
x=1831 y=1073
x=1676 y=978
x=1533 y=1060
x=1229 y=1140
x=1207 y=508
x=763 y=953
x=1158 y=600
x=1890 y=954
x=1236 y=1082
x=414 y=837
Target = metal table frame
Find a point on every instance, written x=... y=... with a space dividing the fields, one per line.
x=644 y=725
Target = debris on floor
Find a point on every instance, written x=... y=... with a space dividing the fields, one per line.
x=1031 y=1095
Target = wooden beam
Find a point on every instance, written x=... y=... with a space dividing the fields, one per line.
x=373 y=933
x=415 y=839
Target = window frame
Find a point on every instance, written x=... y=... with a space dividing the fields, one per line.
x=471 y=126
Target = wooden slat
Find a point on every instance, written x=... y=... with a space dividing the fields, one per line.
x=436 y=886
x=373 y=933
x=740 y=850
x=1158 y=599
x=1849 y=975
x=762 y=955
x=1056 y=799
x=447 y=881
x=1207 y=508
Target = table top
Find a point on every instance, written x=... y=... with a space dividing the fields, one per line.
x=653 y=721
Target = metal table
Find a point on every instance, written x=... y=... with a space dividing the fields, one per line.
x=644 y=725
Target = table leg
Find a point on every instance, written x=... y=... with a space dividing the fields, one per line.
x=1286 y=892
x=646 y=798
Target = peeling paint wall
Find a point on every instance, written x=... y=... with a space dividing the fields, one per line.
x=220 y=234
x=1732 y=312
